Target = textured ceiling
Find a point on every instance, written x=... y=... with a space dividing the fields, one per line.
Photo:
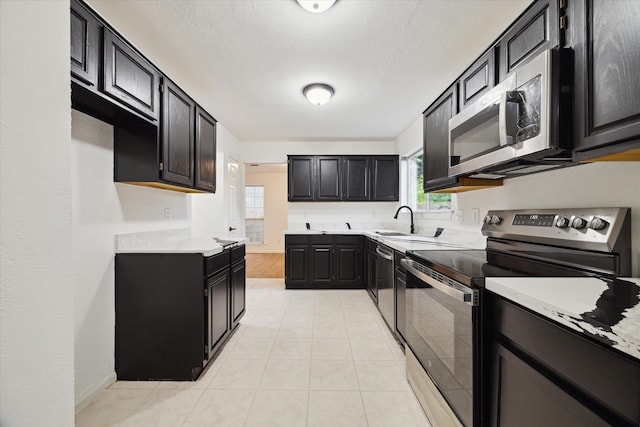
x=246 y=61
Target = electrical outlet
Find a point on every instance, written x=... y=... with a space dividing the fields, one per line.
x=476 y=215
x=167 y=213
x=459 y=215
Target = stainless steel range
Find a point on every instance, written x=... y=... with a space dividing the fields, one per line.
x=445 y=289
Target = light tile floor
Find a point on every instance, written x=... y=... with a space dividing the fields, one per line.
x=299 y=358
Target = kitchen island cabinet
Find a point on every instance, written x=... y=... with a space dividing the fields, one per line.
x=175 y=311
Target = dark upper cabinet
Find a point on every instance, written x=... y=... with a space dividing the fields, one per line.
x=343 y=178
x=355 y=178
x=301 y=179
x=535 y=31
x=478 y=79
x=385 y=178
x=436 y=141
x=130 y=78
x=177 y=135
x=85 y=45
x=607 y=81
x=328 y=173
x=205 y=159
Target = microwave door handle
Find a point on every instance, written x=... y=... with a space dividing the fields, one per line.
x=506 y=138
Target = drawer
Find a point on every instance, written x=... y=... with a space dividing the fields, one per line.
x=237 y=254
x=296 y=239
x=348 y=239
x=321 y=239
x=217 y=262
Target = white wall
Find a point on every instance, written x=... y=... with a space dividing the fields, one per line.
x=277 y=151
x=101 y=209
x=275 y=210
x=36 y=290
x=210 y=212
x=589 y=185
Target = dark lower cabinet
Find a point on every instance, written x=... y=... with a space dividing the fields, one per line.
x=525 y=397
x=400 y=286
x=607 y=82
x=323 y=261
x=371 y=270
x=217 y=309
x=542 y=373
x=175 y=311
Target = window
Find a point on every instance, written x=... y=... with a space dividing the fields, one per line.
x=254 y=215
x=416 y=197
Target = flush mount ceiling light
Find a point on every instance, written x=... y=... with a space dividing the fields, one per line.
x=316 y=6
x=318 y=93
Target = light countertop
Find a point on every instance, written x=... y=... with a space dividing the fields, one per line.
x=605 y=310
x=170 y=241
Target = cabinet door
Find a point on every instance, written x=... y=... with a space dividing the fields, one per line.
x=537 y=30
x=300 y=178
x=205 y=161
x=218 y=309
x=296 y=265
x=385 y=178
x=355 y=178
x=177 y=135
x=130 y=78
x=238 y=286
x=607 y=81
x=321 y=265
x=524 y=397
x=478 y=79
x=85 y=45
x=328 y=178
x=372 y=284
x=348 y=265
x=400 y=278
x=436 y=141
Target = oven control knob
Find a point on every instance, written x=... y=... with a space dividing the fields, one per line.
x=495 y=219
x=562 y=222
x=596 y=223
x=577 y=222
x=487 y=219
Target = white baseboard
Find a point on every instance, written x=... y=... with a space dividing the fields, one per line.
x=85 y=398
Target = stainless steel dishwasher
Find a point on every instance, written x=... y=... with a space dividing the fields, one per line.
x=384 y=279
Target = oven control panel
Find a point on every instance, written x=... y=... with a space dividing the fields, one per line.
x=584 y=228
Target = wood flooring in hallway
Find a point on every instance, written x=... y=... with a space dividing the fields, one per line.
x=265 y=266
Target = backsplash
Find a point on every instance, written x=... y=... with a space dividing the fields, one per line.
x=335 y=216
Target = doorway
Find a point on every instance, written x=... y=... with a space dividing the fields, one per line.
x=266 y=218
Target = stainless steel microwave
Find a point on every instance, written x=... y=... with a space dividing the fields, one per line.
x=520 y=126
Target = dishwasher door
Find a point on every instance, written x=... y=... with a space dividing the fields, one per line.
x=384 y=279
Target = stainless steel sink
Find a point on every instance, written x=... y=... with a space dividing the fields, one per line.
x=391 y=233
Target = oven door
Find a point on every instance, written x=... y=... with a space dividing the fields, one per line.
x=442 y=322
x=509 y=122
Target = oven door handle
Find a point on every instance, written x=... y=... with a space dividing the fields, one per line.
x=388 y=257
x=455 y=290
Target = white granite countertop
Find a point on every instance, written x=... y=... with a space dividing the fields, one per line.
x=605 y=310
x=170 y=241
x=450 y=239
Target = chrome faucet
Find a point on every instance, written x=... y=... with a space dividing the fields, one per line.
x=413 y=231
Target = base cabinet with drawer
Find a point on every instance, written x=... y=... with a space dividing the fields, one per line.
x=324 y=261
x=174 y=311
x=541 y=373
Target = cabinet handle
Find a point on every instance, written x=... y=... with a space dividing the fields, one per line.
x=232 y=228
